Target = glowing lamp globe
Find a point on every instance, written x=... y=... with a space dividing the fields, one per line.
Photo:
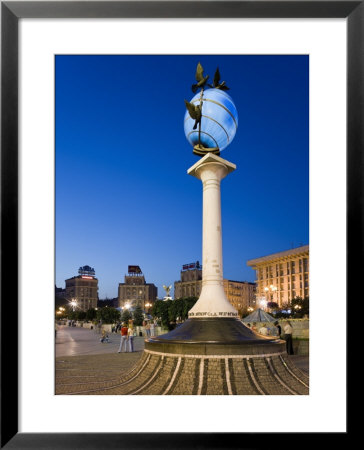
x=218 y=124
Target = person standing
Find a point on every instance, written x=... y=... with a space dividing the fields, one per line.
x=152 y=329
x=288 y=330
x=279 y=328
x=147 y=329
x=131 y=338
x=124 y=337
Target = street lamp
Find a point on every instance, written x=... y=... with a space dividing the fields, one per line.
x=271 y=289
x=263 y=302
x=74 y=304
x=147 y=305
x=297 y=307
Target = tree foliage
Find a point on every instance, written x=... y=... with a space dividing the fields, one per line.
x=108 y=315
x=172 y=311
x=126 y=316
x=91 y=314
x=300 y=307
x=272 y=305
x=138 y=316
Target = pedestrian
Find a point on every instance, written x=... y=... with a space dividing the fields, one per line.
x=152 y=329
x=263 y=330
x=147 y=329
x=254 y=327
x=279 y=328
x=124 y=337
x=288 y=337
x=131 y=338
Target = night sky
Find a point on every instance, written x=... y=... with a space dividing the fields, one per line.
x=123 y=196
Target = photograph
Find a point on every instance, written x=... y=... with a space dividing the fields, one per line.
x=181 y=224
x=181 y=203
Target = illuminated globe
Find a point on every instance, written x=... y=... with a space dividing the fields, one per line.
x=218 y=124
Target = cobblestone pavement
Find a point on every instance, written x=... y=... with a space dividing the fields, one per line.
x=85 y=366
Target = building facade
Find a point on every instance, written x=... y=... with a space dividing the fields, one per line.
x=282 y=276
x=241 y=294
x=83 y=289
x=191 y=281
x=135 y=291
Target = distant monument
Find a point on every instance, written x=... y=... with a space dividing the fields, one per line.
x=168 y=290
x=213 y=352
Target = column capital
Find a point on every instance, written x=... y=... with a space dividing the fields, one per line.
x=222 y=166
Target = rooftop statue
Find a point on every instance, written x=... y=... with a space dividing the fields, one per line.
x=167 y=289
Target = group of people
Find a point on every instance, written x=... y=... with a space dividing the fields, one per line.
x=127 y=338
x=287 y=333
x=149 y=327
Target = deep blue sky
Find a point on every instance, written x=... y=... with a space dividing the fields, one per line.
x=122 y=192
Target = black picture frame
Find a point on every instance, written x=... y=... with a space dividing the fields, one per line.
x=11 y=12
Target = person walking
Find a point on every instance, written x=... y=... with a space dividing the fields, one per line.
x=131 y=338
x=124 y=338
x=288 y=337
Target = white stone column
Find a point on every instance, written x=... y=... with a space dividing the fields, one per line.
x=211 y=169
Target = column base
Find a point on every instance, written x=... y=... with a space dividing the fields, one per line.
x=214 y=337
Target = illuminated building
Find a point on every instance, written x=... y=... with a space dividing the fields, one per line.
x=241 y=294
x=135 y=291
x=83 y=289
x=282 y=276
x=191 y=281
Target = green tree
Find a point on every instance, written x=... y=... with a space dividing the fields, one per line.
x=108 y=315
x=91 y=314
x=189 y=303
x=160 y=311
x=72 y=315
x=126 y=316
x=81 y=315
x=300 y=307
x=138 y=316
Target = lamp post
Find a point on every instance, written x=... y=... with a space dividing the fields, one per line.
x=263 y=303
x=73 y=304
x=271 y=289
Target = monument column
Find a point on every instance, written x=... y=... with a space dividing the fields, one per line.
x=211 y=169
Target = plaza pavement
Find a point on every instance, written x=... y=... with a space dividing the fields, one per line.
x=84 y=365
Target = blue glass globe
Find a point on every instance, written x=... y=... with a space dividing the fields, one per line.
x=219 y=120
